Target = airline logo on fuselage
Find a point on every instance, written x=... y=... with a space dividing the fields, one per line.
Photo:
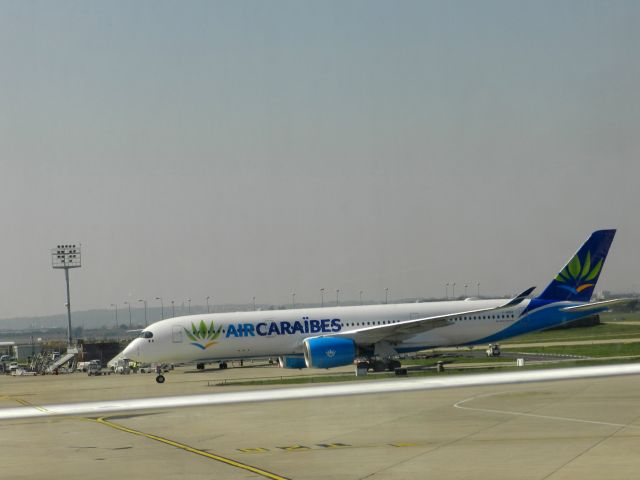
x=202 y=336
x=265 y=329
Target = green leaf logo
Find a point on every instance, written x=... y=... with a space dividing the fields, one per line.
x=202 y=336
x=579 y=274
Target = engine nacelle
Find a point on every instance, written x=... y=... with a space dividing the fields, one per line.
x=328 y=352
x=292 y=361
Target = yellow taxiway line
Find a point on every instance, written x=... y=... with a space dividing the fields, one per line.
x=182 y=446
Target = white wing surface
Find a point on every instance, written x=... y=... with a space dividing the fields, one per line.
x=97 y=409
x=397 y=332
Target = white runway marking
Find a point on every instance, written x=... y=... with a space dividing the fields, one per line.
x=534 y=415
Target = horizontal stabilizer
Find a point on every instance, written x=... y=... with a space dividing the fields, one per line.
x=606 y=304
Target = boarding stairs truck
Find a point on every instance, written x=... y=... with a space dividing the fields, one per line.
x=63 y=360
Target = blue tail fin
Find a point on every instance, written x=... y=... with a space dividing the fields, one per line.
x=578 y=278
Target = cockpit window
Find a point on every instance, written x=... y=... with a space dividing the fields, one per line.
x=146 y=334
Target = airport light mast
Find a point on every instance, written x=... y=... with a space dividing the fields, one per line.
x=66 y=257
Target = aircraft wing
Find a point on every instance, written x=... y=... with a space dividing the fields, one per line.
x=396 y=332
x=614 y=304
x=101 y=408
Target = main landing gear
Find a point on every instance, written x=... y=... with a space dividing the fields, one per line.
x=221 y=366
x=378 y=365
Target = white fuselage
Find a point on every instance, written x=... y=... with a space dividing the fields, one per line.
x=281 y=332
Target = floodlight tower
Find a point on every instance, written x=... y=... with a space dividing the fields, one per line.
x=66 y=257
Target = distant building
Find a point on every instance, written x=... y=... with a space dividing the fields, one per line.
x=103 y=351
x=22 y=353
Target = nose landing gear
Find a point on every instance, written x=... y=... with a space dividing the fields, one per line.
x=159 y=375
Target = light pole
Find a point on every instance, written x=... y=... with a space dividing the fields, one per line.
x=145 y=310
x=293 y=300
x=465 y=290
x=322 y=297
x=66 y=257
x=129 y=305
x=453 y=291
x=337 y=297
x=446 y=290
x=208 y=304
x=161 y=307
x=478 y=289
x=189 y=301
x=173 y=308
x=253 y=299
x=360 y=297
x=115 y=305
x=386 y=295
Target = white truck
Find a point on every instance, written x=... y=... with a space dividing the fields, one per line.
x=493 y=350
x=83 y=366
x=122 y=366
x=95 y=368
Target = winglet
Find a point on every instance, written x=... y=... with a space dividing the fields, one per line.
x=519 y=298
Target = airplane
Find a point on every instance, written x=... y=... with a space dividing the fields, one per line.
x=373 y=336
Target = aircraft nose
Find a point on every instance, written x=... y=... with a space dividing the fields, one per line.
x=132 y=351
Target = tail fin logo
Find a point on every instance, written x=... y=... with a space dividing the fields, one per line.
x=577 y=275
x=202 y=336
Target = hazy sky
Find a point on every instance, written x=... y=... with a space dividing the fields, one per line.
x=238 y=149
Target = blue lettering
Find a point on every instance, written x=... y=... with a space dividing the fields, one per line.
x=306 y=326
x=297 y=327
x=336 y=325
x=325 y=325
x=315 y=326
x=260 y=329
x=285 y=328
x=273 y=329
x=248 y=330
x=231 y=330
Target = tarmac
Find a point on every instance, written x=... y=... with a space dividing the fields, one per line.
x=554 y=430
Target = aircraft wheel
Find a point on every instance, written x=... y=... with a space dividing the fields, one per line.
x=378 y=366
x=160 y=379
x=363 y=365
x=393 y=364
x=200 y=366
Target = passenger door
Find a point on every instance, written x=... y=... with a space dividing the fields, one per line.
x=176 y=334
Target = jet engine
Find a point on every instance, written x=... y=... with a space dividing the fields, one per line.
x=292 y=361
x=328 y=352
